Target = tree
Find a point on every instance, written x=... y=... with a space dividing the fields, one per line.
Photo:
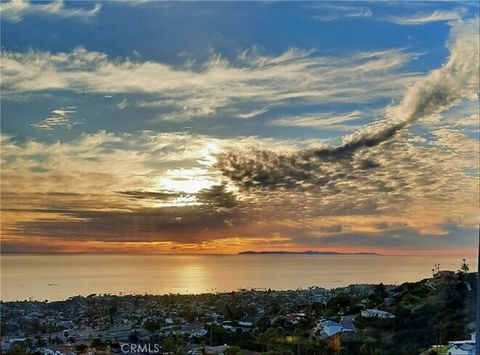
x=261 y=339
x=380 y=290
x=112 y=311
x=233 y=350
x=133 y=337
x=174 y=343
x=81 y=348
x=152 y=325
x=273 y=337
x=169 y=343
x=98 y=344
x=19 y=349
x=464 y=268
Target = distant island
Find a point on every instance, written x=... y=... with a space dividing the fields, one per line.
x=307 y=252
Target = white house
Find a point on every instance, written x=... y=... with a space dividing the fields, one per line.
x=329 y=328
x=217 y=350
x=462 y=347
x=376 y=313
x=245 y=323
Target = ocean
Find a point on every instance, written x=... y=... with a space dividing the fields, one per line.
x=60 y=276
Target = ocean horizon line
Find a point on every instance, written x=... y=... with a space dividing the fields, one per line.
x=242 y=253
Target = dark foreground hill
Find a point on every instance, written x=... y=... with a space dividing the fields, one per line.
x=428 y=312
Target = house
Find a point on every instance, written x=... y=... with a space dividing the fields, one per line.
x=66 y=324
x=218 y=350
x=376 y=313
x=245 y=323
x=328 y=328
x=462 y=347
x=347 y=323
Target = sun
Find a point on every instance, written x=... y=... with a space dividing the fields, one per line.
x=183 y=184
x=188 y=181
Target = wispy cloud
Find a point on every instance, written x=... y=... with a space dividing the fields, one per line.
x=331 y=12
x=320 y=121
x=253 y=114
x=218 y=86
x=123 y=104
x=15 y=10
x=425 y=18
x=60 y=118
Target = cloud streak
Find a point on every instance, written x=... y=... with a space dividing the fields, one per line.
x=425 y=18
x=15 y=10
x=318 y=121
x=60 y=118
x=329 y=12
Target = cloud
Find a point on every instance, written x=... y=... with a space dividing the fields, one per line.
x=439 y=90
x=385 y=185
x=15 y=10
x=122 y=105
x=425 y=18
x=332 y=12
x=318 y=121
x=473 y=121
x=252 y=114
x=148 y=188
x=97 y=182
x=217 y=87
x=60 y=118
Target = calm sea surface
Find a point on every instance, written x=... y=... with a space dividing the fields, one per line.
x=56 y=277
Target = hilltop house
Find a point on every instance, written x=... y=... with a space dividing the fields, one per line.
x=376 y=313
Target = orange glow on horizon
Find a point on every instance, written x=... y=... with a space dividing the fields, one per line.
x=216 y=246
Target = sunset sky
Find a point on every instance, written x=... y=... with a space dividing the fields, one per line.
x=199 y=127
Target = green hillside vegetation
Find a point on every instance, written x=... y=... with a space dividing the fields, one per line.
x=428 y=312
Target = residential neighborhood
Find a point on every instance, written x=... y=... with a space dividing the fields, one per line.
x=358 y=319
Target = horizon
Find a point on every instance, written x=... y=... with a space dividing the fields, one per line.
x=218 y=128
x=471 y=254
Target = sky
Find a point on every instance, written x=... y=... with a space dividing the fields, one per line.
x=221 y=127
